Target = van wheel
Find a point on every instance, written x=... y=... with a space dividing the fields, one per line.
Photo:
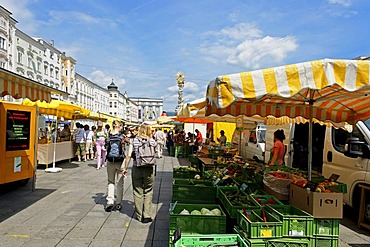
x=367 y=211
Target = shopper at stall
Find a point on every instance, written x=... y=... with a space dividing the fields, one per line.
x=101 y=136
x=116 y=168
x=170 y=141
x=278 y=150
x=142 y=176
x=93 y=129
x=79 y=139
x=222 y=139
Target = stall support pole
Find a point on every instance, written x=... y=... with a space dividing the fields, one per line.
x=55 y=169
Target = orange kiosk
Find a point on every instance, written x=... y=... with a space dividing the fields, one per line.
x=18 y=126
x=18 y=142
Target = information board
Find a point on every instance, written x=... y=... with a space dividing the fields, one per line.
x=18 y=130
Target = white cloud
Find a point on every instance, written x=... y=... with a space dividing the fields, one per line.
x=268 y=50
x=58 y=17
x=98 y=76
x=245 y=45
x=345 y=3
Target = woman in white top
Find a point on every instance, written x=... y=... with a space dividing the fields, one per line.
x=101 y=136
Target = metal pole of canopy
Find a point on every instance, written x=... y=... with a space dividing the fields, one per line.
x=310 y=132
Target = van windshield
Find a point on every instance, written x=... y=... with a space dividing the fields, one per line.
x=367 y=123
x=261 y=136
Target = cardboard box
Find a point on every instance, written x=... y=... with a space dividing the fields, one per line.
x=319 y=205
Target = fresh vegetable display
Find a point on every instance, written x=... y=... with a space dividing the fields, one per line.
x=203 y=211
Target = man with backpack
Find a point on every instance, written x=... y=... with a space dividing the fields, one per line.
x=142 y=150
x=116 y=169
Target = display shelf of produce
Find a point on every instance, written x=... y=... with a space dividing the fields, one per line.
x=211 y=240
x=326 y=227
x=185 y=172
x=296 y=222
x=233 y=200
x=193 y=223
x=259 y=224
x=263 y=200
x=290 y=242
x=193 y=191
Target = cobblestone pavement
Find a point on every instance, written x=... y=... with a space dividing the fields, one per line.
x=67 y=209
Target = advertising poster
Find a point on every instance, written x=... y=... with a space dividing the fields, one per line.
x=18 y=130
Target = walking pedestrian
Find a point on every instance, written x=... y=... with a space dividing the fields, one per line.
x=101 y=136
x=142 y=176
x=89 y=135
x=79 y=139
x=160 y=138
x=115 y=167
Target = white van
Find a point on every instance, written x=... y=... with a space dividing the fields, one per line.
x=335 y=151
x=252 y=141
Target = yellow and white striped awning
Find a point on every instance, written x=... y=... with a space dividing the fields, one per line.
x=338 y=91
x=58 y=108
x=20 y=87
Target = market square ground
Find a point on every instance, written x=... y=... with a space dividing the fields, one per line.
x=67 y=209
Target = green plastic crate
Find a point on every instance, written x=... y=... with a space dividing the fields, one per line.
x=256 y=227
x=327 y=241
x=231 y=208
x=326 y=227
x=181 y=151
x=290 y=242
x=193 y=191
x=196 y=224
x=342 y=188
x=210 y=240
x=193 y=159
x=185 y=174
x=172 y=151
x=296 y=222
x=263 y=200
x=251 y=242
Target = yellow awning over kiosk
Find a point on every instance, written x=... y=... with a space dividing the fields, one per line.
x=21 y=87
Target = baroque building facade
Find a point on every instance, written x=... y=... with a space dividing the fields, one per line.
x=42 y=62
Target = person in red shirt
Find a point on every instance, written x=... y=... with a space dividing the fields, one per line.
x=278 y=150
x=198 y=139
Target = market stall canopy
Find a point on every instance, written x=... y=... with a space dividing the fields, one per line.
x=337 y=91
x=194 y=112
x=164 y=119
x=21 y=87
x=328 y=90
x=57 y=108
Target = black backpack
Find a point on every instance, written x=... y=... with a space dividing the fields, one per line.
x=115 y=152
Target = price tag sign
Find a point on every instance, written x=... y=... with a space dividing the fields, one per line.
x=217 y=181
x=225 y=172
x=176 y=235
x=334 y=177
x=266 y=233
x=311 y=185
x=172 y=206
x=243 y=187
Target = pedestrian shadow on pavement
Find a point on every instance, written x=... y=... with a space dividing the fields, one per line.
x=99 y=198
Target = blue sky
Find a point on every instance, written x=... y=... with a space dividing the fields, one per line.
x=142 y=44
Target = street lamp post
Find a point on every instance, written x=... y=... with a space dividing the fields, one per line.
x=180 y=78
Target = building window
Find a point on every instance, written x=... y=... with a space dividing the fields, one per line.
x=2 y=43
x=20 y=57
x=46 y=69
x=56 y=74
x=51 y=71
x=115 y=104
x=2 y=64
x=38 y=66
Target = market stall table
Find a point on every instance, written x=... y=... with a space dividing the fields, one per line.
x=64 y=150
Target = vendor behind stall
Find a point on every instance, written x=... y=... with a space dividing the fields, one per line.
x=222 y=139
